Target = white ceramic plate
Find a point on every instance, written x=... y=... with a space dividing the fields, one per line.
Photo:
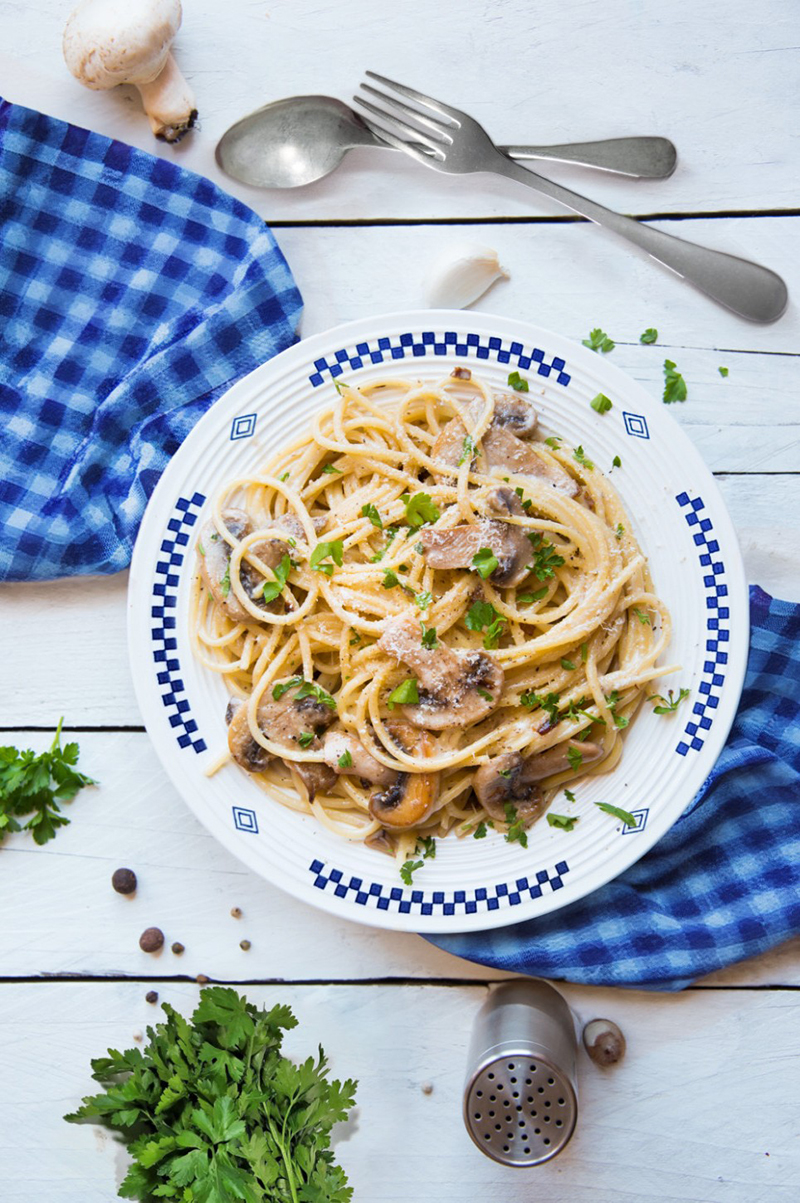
x=678 y=516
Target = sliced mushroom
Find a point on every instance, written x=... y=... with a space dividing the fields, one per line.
x=512 y=778
x=215 y=561
x=312 y=778
x=282 y=721
x=510 y=413
x=409 y=800
x=379 y=841
x=456 y=547
x=245 y=750
x=294 y=527
x=514 y=413
x=455 y=688
x=360 y=763
x=502 y=449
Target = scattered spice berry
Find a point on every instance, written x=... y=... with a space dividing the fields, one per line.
x=236 y=912
x=244 y=945
x=138 y=1037
x=124 y=881
x=604 y=1042
x=178 y=948
x=201 y=979
x=427 y=1087
x=151 y=996
x=151 y=939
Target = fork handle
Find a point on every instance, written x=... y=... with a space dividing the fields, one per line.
x=643 y=158
x=752 y=291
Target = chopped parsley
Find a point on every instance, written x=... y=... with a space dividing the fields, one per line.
x=598 y=340
x=568 y=794
x=553 y=442
x=518 y=382
x=423 y=600
x=649 y=336
x=426 y=845
x=616 y=462
x=405 y=693
x=467 y=450
x=225 y=583
x=619 y=721
x=493 y=633
x=429 y=639
x=579 y=456
x=285 y=476
x=325 y=551
x=272 y=589
x=545 y=558
x=565 y=822
x=601 y=404
x=484 y=693
x=674 y=384
x=550 y=703
x=567 y=664
x=618 y=813
x=644 y=619
x=390 y=536
x=480 y=831
x=200 y=548
x=408 y=869
x=306 y=738
x=329 y=470
x=307 y=690
x=722 y=371
x=354 y=639
x=668 y=706
x=369 y=511
x=575 y=758
x=484 y=562
x=516 y=830
x=525 y=599
x=620 y=531
x=479 y=615
x=345 y=761
x=525 y=502
x=419 y=509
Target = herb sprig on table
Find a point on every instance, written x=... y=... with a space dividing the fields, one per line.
x=34 y=785
x=214 y=1113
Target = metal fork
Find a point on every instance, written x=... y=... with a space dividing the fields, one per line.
x=448 y=140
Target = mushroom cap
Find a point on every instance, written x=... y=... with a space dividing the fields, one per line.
x=108 y=42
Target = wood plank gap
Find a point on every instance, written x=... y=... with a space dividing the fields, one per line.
x=335 y=223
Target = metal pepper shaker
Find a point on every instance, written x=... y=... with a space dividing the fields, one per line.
x=520 y=1099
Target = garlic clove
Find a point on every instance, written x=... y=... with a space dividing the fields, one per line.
x=462 y=275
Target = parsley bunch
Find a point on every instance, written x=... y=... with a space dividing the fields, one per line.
x=34 y=785
x=214 y=1113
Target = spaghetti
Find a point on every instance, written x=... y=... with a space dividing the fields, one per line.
x=428 y=615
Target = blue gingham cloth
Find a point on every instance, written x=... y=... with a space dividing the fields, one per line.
x=132 y=294
x=723 y=884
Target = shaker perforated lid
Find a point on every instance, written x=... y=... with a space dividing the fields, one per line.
x=520 y=1100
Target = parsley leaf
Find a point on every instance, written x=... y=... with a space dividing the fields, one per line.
x=618 y=813
x=668 y=706
x=329 y=470
x=565 y=822
x=408 y=869
x=480 y=831
x=567 y=664
x=405 y=693
x=285 y=476
x=212 y=1111
x=620 y=531
x=345 y=761
x=225 y=583
x=525 y=599
x=369 y=511
x=307 y=689
x=649 y=336
x=545 y=560
x=324 y=551
x=426 y=846
x=722 y=371
x=601 y=404
x=306 y=738
x=554 y=442
x=575 y=758
x=272 y=589
x=34 y=785
x=419 y=509
x=493 y=633
x=568 y=794
x=674 y=384
x=644 y=619
x=429 y=640
x=516 y=831
x=479 y=615
x=390 y=536
x=484 y=693
x=423 y=600
x=579 y=455
x=518 y=382
x=467 y=450
x=484 y=562
x=615 y=463
x=598 y=340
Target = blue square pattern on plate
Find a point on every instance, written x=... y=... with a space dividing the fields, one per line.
x=432 y=343
x=243 y=427
x=717 y=623
x=162 y=611
x=437 y=902
x=244 y=819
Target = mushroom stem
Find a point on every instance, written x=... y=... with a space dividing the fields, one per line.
x=169 y=102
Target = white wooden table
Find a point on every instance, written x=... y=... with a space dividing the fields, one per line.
x=705 y=1106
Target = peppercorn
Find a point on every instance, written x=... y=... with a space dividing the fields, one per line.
x=151 y=939
x=244 y=945
x=151 y=996
x=178 y=948
x=236 y=912
x=124 y=881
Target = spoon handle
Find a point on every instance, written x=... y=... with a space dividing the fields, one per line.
x=643 y=158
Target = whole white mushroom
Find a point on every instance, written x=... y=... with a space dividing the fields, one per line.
x=110 y=42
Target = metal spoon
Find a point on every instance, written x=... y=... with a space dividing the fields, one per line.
x=304 y=138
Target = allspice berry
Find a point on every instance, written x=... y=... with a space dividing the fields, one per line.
x=151 y=996
x=178 y=948
x=124 y=881
x=244 y=945
x=236 y=912
x=604 y=1042
x=201 y=979
x=151 y=940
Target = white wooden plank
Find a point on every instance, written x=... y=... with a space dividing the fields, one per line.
x=551 y=72
x=187 y=887
x=701 y=1108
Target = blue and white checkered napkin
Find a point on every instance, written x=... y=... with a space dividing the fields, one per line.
x=132 y=294
x=723 y=884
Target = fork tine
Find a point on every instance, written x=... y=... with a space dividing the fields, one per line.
x=420 y=97
x=398 y=126
x=437 y=128
x=398 y=143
